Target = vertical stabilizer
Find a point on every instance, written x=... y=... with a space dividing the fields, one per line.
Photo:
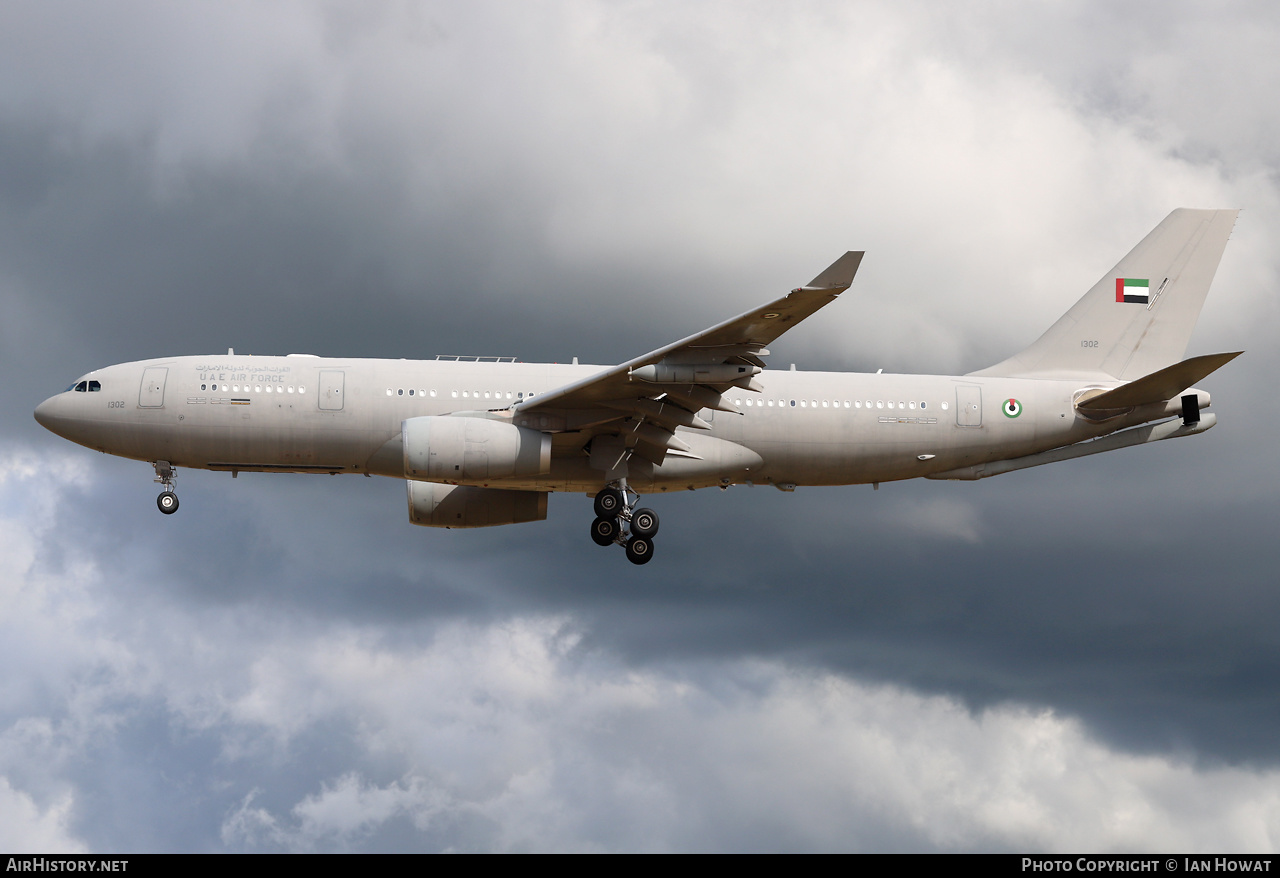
x=1138 y=318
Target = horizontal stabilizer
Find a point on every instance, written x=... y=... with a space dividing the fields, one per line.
x=1159 y=386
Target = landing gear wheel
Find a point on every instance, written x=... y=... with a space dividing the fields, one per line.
x=609 y=503
x=644 y=523
x=168 y=502
x=604 y=531
x=639 y=550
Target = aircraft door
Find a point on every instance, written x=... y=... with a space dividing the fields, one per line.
x=968 y=405
x=331 y=387
x=151 y=393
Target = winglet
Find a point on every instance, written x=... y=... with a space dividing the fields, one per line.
x=839 y=275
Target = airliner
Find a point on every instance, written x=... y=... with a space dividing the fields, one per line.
x=482 y=441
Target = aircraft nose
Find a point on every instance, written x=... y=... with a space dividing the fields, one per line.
x=47 y=415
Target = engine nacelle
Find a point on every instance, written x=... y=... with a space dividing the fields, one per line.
x=433 y=505
x=472 y=449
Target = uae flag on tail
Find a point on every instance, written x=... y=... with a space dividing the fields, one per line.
x=1133 y=290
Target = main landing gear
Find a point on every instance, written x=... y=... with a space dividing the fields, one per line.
x=617 y=522
x=166 y=475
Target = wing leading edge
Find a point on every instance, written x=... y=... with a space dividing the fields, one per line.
x=643 y=400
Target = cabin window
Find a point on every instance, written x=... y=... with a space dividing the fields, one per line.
x=945 y=406
x=879 y=403
x=923 y=404
x=793 y=403
x=433 y=394
x=399 y=392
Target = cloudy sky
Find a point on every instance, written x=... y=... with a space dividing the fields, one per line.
x=1080 y=657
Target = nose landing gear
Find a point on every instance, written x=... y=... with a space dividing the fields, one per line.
x=617 y=522
x=166 y=475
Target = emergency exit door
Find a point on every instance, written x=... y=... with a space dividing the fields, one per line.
x=151 y=393
x=331 y=387
x=968 y=405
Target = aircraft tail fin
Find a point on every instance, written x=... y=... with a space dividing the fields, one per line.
x=1138 y=318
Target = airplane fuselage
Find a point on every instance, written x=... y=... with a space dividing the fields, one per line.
x=310 y=414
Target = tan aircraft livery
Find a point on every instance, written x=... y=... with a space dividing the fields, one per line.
x=480 y=441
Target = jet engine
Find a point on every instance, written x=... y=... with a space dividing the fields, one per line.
x=464 y=449
x=433 y=505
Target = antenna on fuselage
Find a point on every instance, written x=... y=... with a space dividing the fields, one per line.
x=231 y=352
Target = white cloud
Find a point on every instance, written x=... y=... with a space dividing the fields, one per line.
x=564 y=751
x=25 y=828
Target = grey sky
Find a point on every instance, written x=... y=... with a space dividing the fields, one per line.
x=1082 y=657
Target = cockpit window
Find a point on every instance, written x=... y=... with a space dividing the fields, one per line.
x=94 y=386
x=81 y=387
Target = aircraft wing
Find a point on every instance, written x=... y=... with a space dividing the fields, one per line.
x=645 y=399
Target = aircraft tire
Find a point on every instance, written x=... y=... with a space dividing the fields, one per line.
x=644 y=523
x=639 y=550
x=168 y=502
x=609 y=503
x=604 y=530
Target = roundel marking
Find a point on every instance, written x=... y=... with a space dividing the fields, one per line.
x=1011 y=408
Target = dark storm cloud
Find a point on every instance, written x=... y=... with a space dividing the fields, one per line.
x=289 y=665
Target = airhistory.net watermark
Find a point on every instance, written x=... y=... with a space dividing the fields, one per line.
x=65 y=864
